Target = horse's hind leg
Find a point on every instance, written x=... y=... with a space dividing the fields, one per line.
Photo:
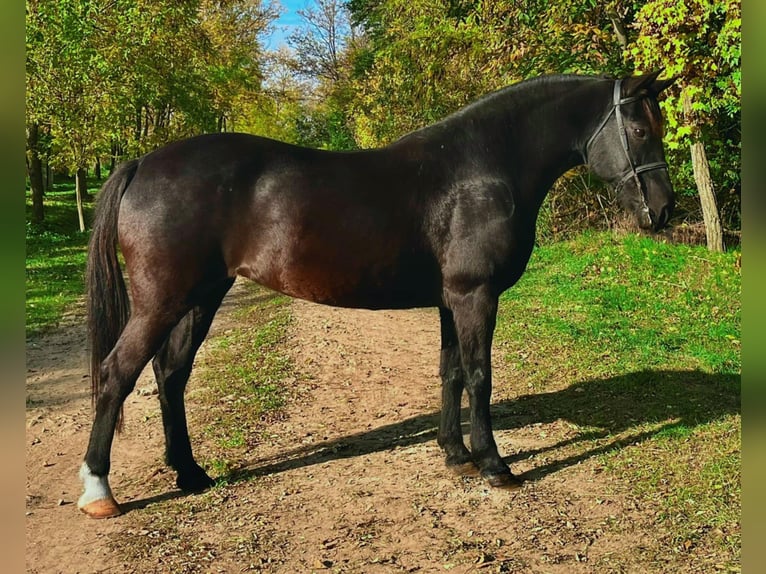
x=139 y=340
x=172 y=366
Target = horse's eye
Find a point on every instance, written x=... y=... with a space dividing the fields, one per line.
x=639 y=132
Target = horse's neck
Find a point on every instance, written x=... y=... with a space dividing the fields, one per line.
x=550 y=134
x=528 y=136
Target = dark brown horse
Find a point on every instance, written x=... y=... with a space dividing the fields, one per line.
x=444 y=217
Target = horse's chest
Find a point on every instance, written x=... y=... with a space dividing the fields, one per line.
x=495 y=253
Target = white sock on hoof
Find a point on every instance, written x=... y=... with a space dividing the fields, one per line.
x=96 y=487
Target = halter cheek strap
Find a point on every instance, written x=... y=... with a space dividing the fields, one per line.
x=633 y=171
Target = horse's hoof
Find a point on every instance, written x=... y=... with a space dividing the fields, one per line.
x=506 y=481
x=195 y=483
x=103 y=508
x=464 y=469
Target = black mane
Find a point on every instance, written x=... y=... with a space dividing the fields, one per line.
x=504 y=101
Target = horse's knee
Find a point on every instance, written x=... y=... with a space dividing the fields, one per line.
x=475 y=377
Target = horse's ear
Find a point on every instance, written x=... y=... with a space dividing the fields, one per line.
x=634 y=84
x=659 y=85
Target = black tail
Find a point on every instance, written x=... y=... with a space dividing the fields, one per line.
x=108 y=303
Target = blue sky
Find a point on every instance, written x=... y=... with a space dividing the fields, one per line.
x=284 y=24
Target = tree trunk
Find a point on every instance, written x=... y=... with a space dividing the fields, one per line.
x=137 y=128
x=82 y=181
x=35 y=165
x=48 y=174
x=701 y=167
x=147 y=121
x=619 y=28
x=97 y=169
x=113 y=157
x=704 y=183
x=80 y=185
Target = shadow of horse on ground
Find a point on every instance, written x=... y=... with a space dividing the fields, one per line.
x=612 y=406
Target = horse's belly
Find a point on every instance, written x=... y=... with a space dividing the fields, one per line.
x=340 y=284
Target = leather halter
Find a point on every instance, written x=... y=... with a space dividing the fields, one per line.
x=633 y=171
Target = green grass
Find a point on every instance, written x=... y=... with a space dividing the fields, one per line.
x=55 y=260
x=242 y=377
x=604 y=305
x=636 y=343
x=692 y=480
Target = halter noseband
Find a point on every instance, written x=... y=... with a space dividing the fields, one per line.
x=633 y=171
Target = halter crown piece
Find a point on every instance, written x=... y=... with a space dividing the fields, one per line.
x=633 y=171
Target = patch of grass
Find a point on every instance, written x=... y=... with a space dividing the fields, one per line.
x=690 y=479
x=55 y=260
x=639 y=342
x=604 y=305
x=242 y=378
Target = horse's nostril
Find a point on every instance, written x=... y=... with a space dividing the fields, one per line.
x=664 y=216
x=659 y=222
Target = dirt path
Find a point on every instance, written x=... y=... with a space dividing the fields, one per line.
x=351 y=480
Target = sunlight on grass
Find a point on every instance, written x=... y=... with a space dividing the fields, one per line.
x=630 y=300
x=241 y=379
x=691 y=477
x=55 y=261
x=639 y=341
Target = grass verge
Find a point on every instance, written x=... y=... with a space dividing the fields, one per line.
x=55 y=260
x=242 y=378
x=635 y=344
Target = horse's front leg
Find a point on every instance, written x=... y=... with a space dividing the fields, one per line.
x=450 y=436
x=475 y=313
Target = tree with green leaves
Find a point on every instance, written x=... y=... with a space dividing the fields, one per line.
x=68 y=84
x=426 y=58
x=699 y=41
x=126 y=76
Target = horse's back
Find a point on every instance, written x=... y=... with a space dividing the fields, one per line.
x=338 y=228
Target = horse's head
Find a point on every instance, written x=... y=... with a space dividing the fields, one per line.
x=626 y=150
